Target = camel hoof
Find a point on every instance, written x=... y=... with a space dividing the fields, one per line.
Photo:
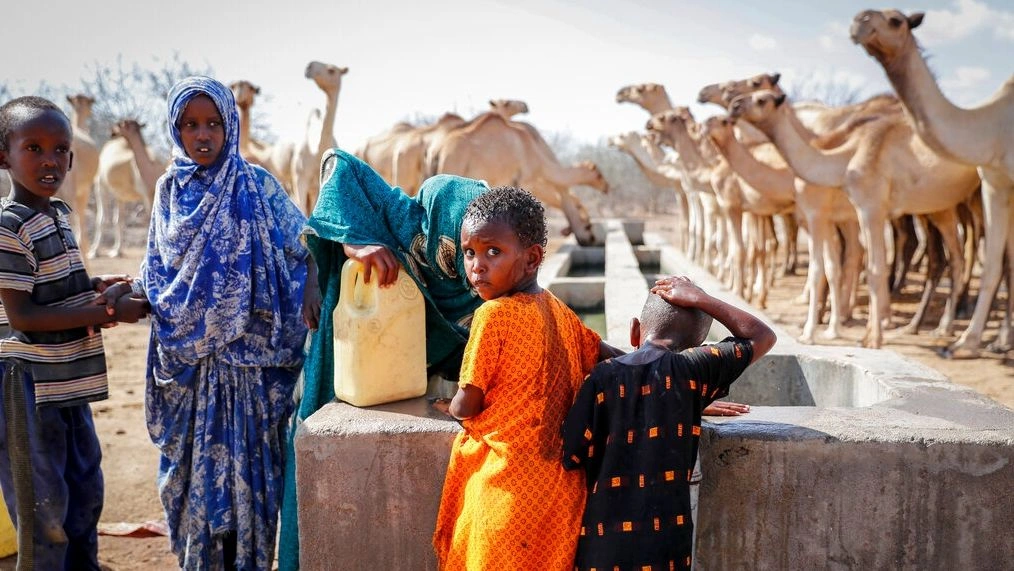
x=998 y=347
x=805 y=339
x=958 y=353
x=829 y=334
x=801 y=299
x=940 y=332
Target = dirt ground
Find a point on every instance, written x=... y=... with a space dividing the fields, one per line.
x=130 y=461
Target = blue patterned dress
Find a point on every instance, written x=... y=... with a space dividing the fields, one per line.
x=224 y=272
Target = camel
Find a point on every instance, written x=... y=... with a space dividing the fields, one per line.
x=703 y=176
x=492 y=149
x=652 y=97
x=77 y=188
x=378 y=150
x=650 y=158
x=128 y=173
x=821 y=209
x=276 y=159
x=979 y=136
x=887 y=171
x=319 y=135
x=508 y=108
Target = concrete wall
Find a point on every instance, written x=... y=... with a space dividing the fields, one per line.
x=849 y=459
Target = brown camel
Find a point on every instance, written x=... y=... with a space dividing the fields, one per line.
x=887 y=171
x=277 y=158
x=980 y=136
x=492 y=149
x=319 y=135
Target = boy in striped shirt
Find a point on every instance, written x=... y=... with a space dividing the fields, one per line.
x=52 y=362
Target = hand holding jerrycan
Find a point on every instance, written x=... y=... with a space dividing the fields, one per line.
x=379 y=339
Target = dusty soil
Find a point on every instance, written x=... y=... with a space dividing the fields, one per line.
x=130 y=460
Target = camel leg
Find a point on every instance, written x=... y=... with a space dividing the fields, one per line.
x=117 y=230
x=736 y=258
x=998 y=216
x=100 y=211
x=760 y=286
x=872 y=224
x=1003 y=338
x=935 y=264
x=791 y=227
x=903 y=229
x=946 y=222
x=819 y=234
x=970 y=213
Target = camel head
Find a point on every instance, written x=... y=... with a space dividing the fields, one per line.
x=640 y=92
x=666 y=124
x=126 y=128
x=508 y=108
x=244 y=92
x=885 y=34
x=327 y=77
x=757 y=108
x=712 y=94
x=81 y=102
x=719 y=129
x=734 y=89
x=625 y=140
x=597 y=180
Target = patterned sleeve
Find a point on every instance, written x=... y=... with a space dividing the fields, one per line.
x=17 y=267
x=584 y=423
x=289 y=217
x=715 y=367
x=482 y=358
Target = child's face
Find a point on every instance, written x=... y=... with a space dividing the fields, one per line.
x=496 y=263
x=38 y=155
x=202 y=131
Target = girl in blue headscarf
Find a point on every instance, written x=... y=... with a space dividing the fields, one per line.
x=225 y=273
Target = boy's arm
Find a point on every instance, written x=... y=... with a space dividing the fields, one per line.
x=679 y=290
x=25 y=315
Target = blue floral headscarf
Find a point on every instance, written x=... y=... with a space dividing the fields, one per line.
x=216 y=269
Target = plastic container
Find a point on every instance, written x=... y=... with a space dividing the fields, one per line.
x=379 y=339
x=8 y=537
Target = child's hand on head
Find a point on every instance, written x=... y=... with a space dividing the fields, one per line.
x=678 y=290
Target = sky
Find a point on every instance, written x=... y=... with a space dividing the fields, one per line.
x=566 y=59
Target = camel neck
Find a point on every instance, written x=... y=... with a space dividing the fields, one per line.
x=244 y=126
x=810 y=164
x=961 y=134
x=776 y=184
x=327 y=124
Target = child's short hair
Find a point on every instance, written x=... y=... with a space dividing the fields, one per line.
x=12 y=114
x=513 y=206
x=685 y=326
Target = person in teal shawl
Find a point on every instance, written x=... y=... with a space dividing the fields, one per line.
x=359 y=215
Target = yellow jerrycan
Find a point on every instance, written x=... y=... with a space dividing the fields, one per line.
x=379 y=339
x=8 y=537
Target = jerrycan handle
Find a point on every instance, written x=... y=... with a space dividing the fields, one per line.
x=357 y=295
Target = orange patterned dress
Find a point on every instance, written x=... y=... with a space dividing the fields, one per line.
x=508 y=503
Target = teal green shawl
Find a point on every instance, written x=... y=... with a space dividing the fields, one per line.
x=356 y=206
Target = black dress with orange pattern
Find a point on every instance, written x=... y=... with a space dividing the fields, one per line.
x=634 y=428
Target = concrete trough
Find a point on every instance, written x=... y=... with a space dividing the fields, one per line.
x=849 y=459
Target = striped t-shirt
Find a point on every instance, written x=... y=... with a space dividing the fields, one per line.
x=38 y=254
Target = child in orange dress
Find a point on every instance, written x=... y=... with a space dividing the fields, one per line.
x=507 y=501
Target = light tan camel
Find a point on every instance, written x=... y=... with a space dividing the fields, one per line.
x=492 y=149
x=508 y=108
x=277 y=158
x=128 y=173
x=980 y=136
x=887 y=171
x=652 y=97
x=412 y=151
x=319 y=135
x=650 y=158
x=77 y=188
x=378 y=150
x=820 y=209
x=674 y=127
